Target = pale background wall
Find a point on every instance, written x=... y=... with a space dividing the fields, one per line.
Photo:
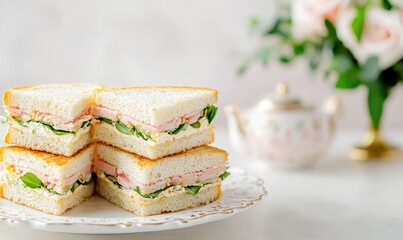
x=154 y=42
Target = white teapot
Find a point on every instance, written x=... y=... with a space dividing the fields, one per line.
x=282 y=130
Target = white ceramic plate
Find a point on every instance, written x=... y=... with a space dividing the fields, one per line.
x=97 y=216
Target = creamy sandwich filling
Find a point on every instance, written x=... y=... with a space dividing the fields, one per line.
x=47 y=124
x=191 y=182
x=176 y=128
x=30 y=178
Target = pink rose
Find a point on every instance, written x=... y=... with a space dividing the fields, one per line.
x=382 y=36
x=308 y=16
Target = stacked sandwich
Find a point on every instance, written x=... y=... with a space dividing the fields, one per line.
x=152 y=156
x=49 y=168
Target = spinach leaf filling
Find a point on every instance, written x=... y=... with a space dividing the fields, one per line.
x=209 y=113
x=193 y=190
x=32 y=181
x=22 y=123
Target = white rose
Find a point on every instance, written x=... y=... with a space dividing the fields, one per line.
x=397 y=3
x=308 y=16
x=382 y=36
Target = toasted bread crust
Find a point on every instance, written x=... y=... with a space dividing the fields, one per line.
x=7 y=136
x=158 y=87
x=58 y=160
x=144 y=162
x=8 y=93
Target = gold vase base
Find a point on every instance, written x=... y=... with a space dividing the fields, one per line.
x=373 y=152
x=374 y=148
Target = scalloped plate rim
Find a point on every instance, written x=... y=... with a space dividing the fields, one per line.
x=127 y=225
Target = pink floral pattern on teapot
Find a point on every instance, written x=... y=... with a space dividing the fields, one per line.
x=283 y=131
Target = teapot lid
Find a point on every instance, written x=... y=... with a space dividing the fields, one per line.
x=281 y=100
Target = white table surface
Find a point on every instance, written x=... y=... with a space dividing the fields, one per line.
x=336 y=199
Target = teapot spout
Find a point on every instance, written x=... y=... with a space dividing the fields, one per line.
x=236 y=128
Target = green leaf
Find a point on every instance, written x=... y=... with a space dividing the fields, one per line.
x=331 y=30
x=224 y=175
x=31 y=180
x=181 y=127
x=210 y=112
x=284 y=59
x=80 y=182
x=114 y=180
x=139 y=134
x=196 y=124
x=343 y=63
x=254 y=22
x=193 y=190
x=122 y=128
x=52 y=191
x=358 y=22
x=242 y=69
x=92 y=178
x=151 y=195
x=3 y=119
x=105 y=120
x=387 y=5
x=314 y=62
x=51 y=128
x=75 y=186
x=263 y=56
x=370 y=70
x=85 y=124
x=275 y=28
x=347 y=80
x=20 y=122
x=377 y=95
x=299 y=49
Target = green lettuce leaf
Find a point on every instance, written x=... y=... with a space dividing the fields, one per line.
x=75 y=186
x=196 y=124
x=193 y=190
x=31 y=180
x=105 y=120
x=82 y=182
x=114 y=180
x=20 y=122
x=151 y=195
x=51 y=128
x=181 y=127
x=122 y=128
x=85 y=124
x=3 y=119
x=46 y=125
x=224 y=175
x=210 y=112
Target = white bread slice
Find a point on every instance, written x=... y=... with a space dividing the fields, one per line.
x=155 y=105
x=56 y=205
x=54 y=166
x=64 y=100
x=147 y=171
x=176 y=201
x=106 y=133
x=54 y=144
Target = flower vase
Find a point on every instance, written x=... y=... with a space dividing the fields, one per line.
x=374 y=147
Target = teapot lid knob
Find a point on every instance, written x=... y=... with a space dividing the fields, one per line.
x=282 y=89
x=282 y=100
